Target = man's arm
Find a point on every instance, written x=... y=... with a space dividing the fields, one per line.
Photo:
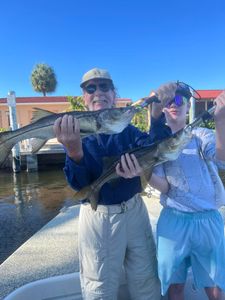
x=78 y=160
x=67 y=131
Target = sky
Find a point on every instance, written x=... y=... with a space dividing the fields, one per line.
x=142 y=43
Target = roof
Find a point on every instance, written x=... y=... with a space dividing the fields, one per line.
x=205 y=94
x=209 y=94
x=50 y=99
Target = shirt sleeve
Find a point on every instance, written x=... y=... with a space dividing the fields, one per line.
x=208 y=146
x=158 y=129
x=79 y=174
x=159 y=171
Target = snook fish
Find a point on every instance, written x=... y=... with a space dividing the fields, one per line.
x=148 y=157
x=108 y=121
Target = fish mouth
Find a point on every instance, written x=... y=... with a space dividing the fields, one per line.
x=130 y=112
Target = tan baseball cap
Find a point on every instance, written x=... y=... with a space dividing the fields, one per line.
x=95 y=73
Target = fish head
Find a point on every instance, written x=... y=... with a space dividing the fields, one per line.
x=114 y=120
x=171 y=148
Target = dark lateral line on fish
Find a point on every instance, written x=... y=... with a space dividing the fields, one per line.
x=18 y=134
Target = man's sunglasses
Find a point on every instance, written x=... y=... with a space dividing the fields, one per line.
x=103 y=87
x=178 y=100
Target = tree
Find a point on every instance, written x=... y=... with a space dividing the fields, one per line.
x=76 y=103
x=140 y=120
x=43 y=79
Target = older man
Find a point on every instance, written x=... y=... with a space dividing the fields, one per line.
x=119 y=233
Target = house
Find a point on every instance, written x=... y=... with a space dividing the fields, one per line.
x=26 y=105
x=206 y=101
x=57 y=104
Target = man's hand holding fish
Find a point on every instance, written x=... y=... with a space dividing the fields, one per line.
x=67 y=130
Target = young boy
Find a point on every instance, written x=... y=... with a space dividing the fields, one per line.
x=190 y=230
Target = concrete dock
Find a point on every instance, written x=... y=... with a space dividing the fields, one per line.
x=51 y=251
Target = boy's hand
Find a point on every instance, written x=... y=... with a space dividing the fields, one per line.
x=164 y=93
x=219 y=114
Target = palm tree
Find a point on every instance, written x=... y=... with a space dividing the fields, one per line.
x=43 y=79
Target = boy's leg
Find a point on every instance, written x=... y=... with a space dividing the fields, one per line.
x=208 y=254
x=214 y=293
x=173 y=248
x=176 y=291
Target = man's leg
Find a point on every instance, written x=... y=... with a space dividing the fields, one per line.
x=140 y=262
x=102 y=243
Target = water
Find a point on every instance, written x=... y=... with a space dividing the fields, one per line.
x=27 y=202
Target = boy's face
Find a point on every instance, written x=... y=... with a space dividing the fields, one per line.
x=176 y=112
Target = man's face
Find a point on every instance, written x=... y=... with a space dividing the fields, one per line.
x=98 y=94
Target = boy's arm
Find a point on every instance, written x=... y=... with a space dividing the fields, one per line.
x=159 y=183
x=219 y=116
x=158 y=128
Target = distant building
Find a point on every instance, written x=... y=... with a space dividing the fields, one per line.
x=57 y=104
x=206 y=101
x=26 y=105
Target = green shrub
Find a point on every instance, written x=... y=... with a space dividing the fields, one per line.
x=209 y=124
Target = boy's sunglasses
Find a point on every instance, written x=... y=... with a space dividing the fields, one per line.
x=187 y=91
x=178 y=100
x=103 y=87
x=184 y=93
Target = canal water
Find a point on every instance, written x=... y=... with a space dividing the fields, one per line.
x=27 y=202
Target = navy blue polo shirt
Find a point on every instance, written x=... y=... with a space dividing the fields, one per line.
x=97 y=148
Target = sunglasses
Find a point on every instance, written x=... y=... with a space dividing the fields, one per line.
x=103 y=87
x=178 y=100
x=184 y=93
x=187 y=91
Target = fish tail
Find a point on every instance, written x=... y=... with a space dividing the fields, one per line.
x=6 y=144
x=88 y=194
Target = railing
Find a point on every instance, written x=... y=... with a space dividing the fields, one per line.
x=51 y=146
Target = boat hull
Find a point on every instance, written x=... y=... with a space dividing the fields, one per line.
x=68 y=287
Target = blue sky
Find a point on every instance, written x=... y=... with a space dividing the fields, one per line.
x=141 y=43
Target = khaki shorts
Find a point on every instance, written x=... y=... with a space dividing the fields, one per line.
x=110 y=239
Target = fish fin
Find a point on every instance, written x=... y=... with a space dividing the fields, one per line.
x=82 y=194
x=6 y=145
x=87 y=193
x=145 y=178
x=93 y=198
x=39 y=113
x=37 y=144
